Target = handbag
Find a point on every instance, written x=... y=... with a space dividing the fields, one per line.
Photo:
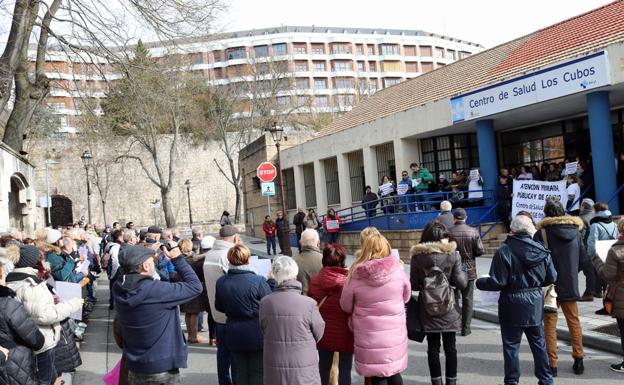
x=414 y=325
x=609 y=297
x=550 y=295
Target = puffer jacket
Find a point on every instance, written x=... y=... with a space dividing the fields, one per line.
x=329 y=283
x=66 y=355
x=20 y=335
x=612 y=271
x=443 y=255
x=238 y=295
x=519 y=270
x=565 y=243
x=375 y=296
x=469 y=246
x=291 y=325
x=39 y=303
x=601 y=228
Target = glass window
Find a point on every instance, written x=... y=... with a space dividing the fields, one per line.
x=342 y=66
x=450 y=54
x=301 y=66
x=344 y=83
x=321 y=101
x=261 y=51
x=359 y=49
x=361 y=67
x=345 y=100
x=463 y=54
x=443 y=155
x=362 y=85
x=319 y=66
x=426 y=67
x=303 y=83
x=439 y=52
x=320 y=84
x=300 y=49
x=280 y=49
x=236 y=53
x=371 y=50
x=373 y=85
x=373 y=66
x=302 y=100
x=389 y=49
x=318 y=49
x=391 y=81
x=283 y=100
x=341 y=48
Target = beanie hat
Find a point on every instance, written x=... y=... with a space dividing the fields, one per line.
x=207 y=242
x=53 y=235
x=29 y=256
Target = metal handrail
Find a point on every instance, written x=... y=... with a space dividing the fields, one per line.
x=583 y=193
x=480 y=222
x=615 y=194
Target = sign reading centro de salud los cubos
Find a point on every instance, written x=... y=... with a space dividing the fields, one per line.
x=566 y=78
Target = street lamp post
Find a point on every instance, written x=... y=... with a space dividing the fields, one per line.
x=277 y=134
x=48 y=200
x=188 y=194
x=86 y=160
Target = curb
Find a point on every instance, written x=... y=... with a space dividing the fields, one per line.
x=590 y=339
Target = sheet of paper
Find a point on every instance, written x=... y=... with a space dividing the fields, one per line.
x=602 y=248
x=395 y=254
x=570 y=168
x=68 y=291
x=474 y=174
x=402 y=188
x=83 y=266
x=332 y=225
x=386 y=188
x=260 y=266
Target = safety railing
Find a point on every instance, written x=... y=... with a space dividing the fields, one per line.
x=580 y=197
x=616 y=195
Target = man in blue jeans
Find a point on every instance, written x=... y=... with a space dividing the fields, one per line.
x=519 y=270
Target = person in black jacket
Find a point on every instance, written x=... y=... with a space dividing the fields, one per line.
x=504 y=191
x=519 y=270
x=18 y=334
x=299 y=222
x=369 y=202
x=561 y=234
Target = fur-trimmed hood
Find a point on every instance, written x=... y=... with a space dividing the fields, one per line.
x=47 y=248
x=378 y=271
x=564 y=220
x=434 y=248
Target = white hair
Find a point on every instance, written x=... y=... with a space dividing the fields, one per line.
x=284 y=269
x=446 y=206
x=309 y=238
x=522 y=224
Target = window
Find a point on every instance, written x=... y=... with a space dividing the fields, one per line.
x=409 y=50
x=372 y=66
x=321 y=101
x=391 y=81
x=411 y=67
x=439 y=53
x=344 y=83
x=373 y=85
x=342 y=66
x=451 y=55
x=217 y=56
x=359 y=49
x=303 y=83
x=236 y=53
x=309 y=185
x=319 y=66
x=283 y=100
x=331 y=181
x=56 y=105
x=320 y=84
x=63 y=121
x=318 y=49
x=389 y=49
x=444 y=155
x=360 y=66
x=345 y=100
x=391 y=66
x=385 y=161
x=261 y=51
x=371 y=50
x=341 y=49
x=463 y=54
x=356 y=175
x=300 y=48
x=426 y=67
x=302 y=100
x=289 y=188
x=425 y=51
x=280 y=49
x=301 y=66
x=362 y=86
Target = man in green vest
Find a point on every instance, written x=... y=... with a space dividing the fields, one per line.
x=421 y=177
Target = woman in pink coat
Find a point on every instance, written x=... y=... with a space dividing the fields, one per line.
x=375 y=295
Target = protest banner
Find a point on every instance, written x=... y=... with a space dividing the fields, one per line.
x=402 y=188
x=332 y=225
x=68 y=291
x=386 y=188
x=570 y=168
x=474 y=174
x=531 y=195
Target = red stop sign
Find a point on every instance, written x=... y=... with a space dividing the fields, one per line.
x=266 y=172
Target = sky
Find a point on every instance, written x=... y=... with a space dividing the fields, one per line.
x=488 y=22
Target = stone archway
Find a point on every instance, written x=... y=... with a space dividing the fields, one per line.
x=61 y=212
x=17 y=201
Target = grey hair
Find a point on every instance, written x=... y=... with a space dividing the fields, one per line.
x=197 y=231
x=284 y=269
x=446 y=206
x=128 y=235
x=67 y=241
x=167 y=234
x=522 y=224
x=309 y=238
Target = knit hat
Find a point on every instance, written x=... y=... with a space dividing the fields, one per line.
x=29 y=256
x=53 y=235
x=587 y=202
x=207 y=242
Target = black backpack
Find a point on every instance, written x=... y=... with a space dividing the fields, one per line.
x=437 y=294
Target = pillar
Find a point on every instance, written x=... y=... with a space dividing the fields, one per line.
x=344 y=180
x=488 y=163
x=369 y=157
x=601 y=137
x=299 y=186
x=406 y=151
x=320 y=186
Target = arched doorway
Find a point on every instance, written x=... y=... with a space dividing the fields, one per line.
x=61 y=211
x=17 y=201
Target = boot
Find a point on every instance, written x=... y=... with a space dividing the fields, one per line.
x=554 y=371
x=578 y=366
x=436 y=381
x=451 y=381
x=191 y=327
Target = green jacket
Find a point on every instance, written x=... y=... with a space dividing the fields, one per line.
x=61 y=266
x=425 y=178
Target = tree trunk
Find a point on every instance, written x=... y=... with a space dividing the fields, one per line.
x=170 y=220
x=237 y=210
x=104 y=211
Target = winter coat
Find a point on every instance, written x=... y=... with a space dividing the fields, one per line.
x=269 y=229
x=39 y=303
x=66 y=355
x=601 y=228
x=519 y=270
x=612 y=271
x=447 y=219
x=150 y=320
x=375 y=297
x=238 y=295
x=329 y=283
x=311 y=222
x=291 y=325
x=199 y=303
x=62 y=266
x=20 y=335
x=503 y=193
x=310 y=262
x=282 y=227
x=370 y=201
x=443 y=255
x=567 y=250
x=216 y=265
x=225 y=220
x=425 y=178
x=298 y=221
x=469 y=246
x=337 y=218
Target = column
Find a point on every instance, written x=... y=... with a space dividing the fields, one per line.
x=321 y=186
x=486 y=142
x=299 y=186
x=406 y=151
x=344 y=181
x=370 y=167
x=601 y=136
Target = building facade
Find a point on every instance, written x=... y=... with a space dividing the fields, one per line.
x=552 y=95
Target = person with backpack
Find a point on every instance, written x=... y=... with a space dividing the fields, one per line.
x=436 y=273
x=519 y=270
x=601 y=228
x=375 y=295
x=111 y=256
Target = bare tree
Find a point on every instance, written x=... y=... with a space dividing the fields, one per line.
x=91 y=31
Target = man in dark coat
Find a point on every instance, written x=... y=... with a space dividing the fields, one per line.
x=561 y=234
x=370 y=202
x=154 y=346
x=504 y=191
x=299 y=222
x=519 y=270
x=469 y=246
x=446 y=216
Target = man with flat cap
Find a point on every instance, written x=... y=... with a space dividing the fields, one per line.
x=153 y=344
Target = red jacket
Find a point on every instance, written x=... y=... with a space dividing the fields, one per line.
x=332 y=230
x=269 y=229
x=337 y=336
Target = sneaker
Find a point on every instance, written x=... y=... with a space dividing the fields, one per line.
x=602 y=311
x=618 y=367
x=578 y=366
